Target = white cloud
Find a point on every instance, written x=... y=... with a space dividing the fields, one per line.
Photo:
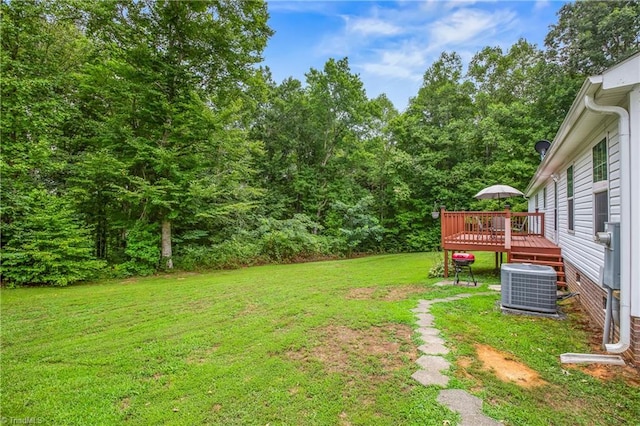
x=408 y=62
x=541 y=4
x=465 y=25
x=371 y=26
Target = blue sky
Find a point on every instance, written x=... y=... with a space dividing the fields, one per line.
x=390 y=44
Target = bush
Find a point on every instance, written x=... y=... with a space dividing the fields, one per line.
x=229 y=254
x=143 y=250
x=284 y=240
x=437 y=270
x=46 y=246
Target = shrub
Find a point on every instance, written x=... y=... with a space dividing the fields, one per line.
x=233 y=253
x=437 y=270
x=283 y=240
x=143 y=250
x=46 y=245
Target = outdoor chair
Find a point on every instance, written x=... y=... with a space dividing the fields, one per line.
x=521 y=226
x=497 y=226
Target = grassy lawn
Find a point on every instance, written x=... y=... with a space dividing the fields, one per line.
x=317 y=343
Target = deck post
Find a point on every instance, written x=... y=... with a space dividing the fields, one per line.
x=507 y=228
x=446 y=263
x=442 y=231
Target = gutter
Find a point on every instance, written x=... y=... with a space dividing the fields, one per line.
x=625 y=220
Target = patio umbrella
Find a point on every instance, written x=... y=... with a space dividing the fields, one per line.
x=497 y=192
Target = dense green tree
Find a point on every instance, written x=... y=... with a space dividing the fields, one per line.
x=339 y=118
x=172 y=90
x=41 y=241
x=47 y=245
x=590 y=36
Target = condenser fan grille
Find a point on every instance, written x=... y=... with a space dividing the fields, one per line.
x=529 y=287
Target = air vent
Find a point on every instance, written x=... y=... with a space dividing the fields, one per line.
x=529 y=287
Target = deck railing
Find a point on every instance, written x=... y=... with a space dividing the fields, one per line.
x=489 y=228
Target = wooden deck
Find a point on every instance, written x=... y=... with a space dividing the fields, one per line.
x=520 y=235
x=479 y=242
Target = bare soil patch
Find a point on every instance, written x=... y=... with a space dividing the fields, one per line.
x=361 y=293
x=506 y=368
x=604 y=372
x=201 y=356
x=344 y=350
x=391 y=294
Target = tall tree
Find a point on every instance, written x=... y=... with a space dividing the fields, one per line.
x=42 y=241
x=178 y=72
x=339 y=114
x=590 y=36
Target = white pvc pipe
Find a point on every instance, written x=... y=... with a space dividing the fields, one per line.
x=625 y=221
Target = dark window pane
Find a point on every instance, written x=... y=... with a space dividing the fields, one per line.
x=570 y=208
x=601 y=210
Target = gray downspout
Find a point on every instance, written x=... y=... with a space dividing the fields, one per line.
x=625 y=221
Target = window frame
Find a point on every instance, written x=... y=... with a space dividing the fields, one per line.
x=570 y=199
x=600 y=186
x=600 y=162
x=597 y=220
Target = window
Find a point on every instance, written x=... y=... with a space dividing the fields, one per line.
x=570 y=197
x=600 y=161
x=600 y=210
x=544 y=198
x=600 y=190
x=555 y=206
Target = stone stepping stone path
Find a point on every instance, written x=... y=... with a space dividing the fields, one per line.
x=432 y=364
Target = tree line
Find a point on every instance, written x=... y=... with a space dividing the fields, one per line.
x=139 y=136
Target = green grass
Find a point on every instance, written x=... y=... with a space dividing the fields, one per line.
x=317 y=343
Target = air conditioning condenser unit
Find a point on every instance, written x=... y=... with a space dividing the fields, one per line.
x=529 y=287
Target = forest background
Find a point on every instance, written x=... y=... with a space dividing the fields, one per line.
x=140 y=136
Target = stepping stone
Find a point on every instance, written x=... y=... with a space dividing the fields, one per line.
x=434 y=363
x=469 y=407
x=428 y=332
x=428 y=378
x=424 y=320
x=433 y=348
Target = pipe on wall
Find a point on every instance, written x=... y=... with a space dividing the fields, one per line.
x=625 y=221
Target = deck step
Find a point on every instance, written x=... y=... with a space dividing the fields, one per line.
x=538 y=262
x=548 y=258
x=536 y=254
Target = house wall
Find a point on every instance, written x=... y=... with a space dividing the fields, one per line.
x=578 y=245
x=582 y=256
x=593 y=299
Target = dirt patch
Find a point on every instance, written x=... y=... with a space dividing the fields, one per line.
x=605 y=372
x=611 y=372
x=125 y=404
x=345 y=350
x=391 y=294
x=361 y=293
x=201 y=356
x=506 y=368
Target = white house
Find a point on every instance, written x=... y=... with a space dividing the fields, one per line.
x=591 y=175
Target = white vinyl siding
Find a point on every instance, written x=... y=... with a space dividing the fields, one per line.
x=614 y=175
x=578 y=246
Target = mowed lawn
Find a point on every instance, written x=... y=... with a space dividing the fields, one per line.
x=317 y=343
